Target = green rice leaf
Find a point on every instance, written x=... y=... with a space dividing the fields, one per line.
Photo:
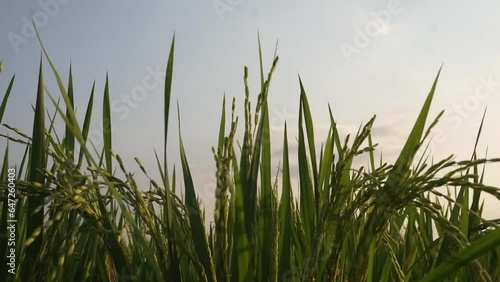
x=222 y=125
x=69 y=139
x=37 y=164
x=198 y=231
x=6 y=98
x=285 y=210
x=307 y=202
x=409 y=150
x=86 y=123
x=106 y=127
x=463 y=257
x=241 y=254
x=310 y=140
x=167 y=95
x=73 y=122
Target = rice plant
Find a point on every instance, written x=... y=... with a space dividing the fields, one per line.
x=81 y=215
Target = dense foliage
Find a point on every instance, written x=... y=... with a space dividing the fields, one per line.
x=81 y=216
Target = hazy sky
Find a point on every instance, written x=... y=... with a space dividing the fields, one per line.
x=364 y=58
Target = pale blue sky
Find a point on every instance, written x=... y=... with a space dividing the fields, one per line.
x=389 y=72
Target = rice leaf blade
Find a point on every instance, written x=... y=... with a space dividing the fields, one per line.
x=36 y=165
x=86 y=124
x=285 y=246
x=6 y=97
x=106 y=127
x=464 y=256
x=69 y=139
x=198 y=231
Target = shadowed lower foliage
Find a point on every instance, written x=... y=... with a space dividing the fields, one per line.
x=85 y=218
